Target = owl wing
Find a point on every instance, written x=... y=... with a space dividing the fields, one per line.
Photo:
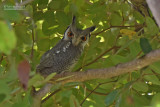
x=45 y=62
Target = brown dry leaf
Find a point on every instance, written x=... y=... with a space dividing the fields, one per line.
x=23 y=73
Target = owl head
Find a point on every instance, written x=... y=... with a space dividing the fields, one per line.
x=77 y=36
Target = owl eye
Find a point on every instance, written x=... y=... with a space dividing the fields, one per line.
x=70 y=34
x=84 y=38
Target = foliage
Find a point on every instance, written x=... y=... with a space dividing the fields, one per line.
x=26 y=34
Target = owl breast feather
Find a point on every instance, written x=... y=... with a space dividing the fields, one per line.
x=61 y=58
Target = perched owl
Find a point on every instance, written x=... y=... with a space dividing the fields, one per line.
x=66 y=53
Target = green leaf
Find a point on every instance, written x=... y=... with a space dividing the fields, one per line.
x=116 y=19
x=111 y=97
x=43 y=44
x=118 y=59
x=19 y=104
x=153 y=79
x=5 y=90
x=61 y=20
x=145 y=45
x=7 y=38
x=140 y=101
x=125 y=8
x=55 y=4
x=140 y=86
x=49 y=77
x=139 y=18
x=22 y=35
x=2 y=97
x=35 y=80
x=134 y=49
x=155 y=100
x=74 y=102
x=13 y=15
x=46 y=27
x=115 y=6
x=155 y=66
x=152 y=28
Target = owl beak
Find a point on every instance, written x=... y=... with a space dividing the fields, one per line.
x=75 y=40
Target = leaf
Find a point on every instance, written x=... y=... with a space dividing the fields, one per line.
x=13 y=15
x=23 y=73
x=128 y=32
x=2 y=97
x=134 y=49
x=60 y=79
x=35 y=80
x=55 y=4
x=140 y=86
x=155 y=100
x=43 y=44
x=4 y=90
x=152 y=28
x=49 y=77
x=155 y=66
x=140 y=101
x=116 y=19
x=145 y=45
x=74 y=102
x=111 y=97
x=139 y=18
x=7 y=38
x=125 y=8
x=22 y=36
x=152 y=78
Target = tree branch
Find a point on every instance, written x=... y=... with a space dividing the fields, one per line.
x=117 y=70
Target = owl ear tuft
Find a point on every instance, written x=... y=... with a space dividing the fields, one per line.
x=73 y=19
x=92 y=28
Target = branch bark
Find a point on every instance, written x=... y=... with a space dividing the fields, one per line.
x=117 y=70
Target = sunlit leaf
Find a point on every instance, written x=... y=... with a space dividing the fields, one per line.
x=7 y=38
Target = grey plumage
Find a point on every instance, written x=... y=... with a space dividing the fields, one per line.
x=66 y=53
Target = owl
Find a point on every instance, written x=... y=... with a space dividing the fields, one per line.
x=66 y=52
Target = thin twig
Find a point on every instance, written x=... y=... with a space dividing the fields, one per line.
x=100 y=56
x=1 y=58
x=98 y=93
x=95 y=89
x=112 y=27
x=32 y=51
x=50 y=95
